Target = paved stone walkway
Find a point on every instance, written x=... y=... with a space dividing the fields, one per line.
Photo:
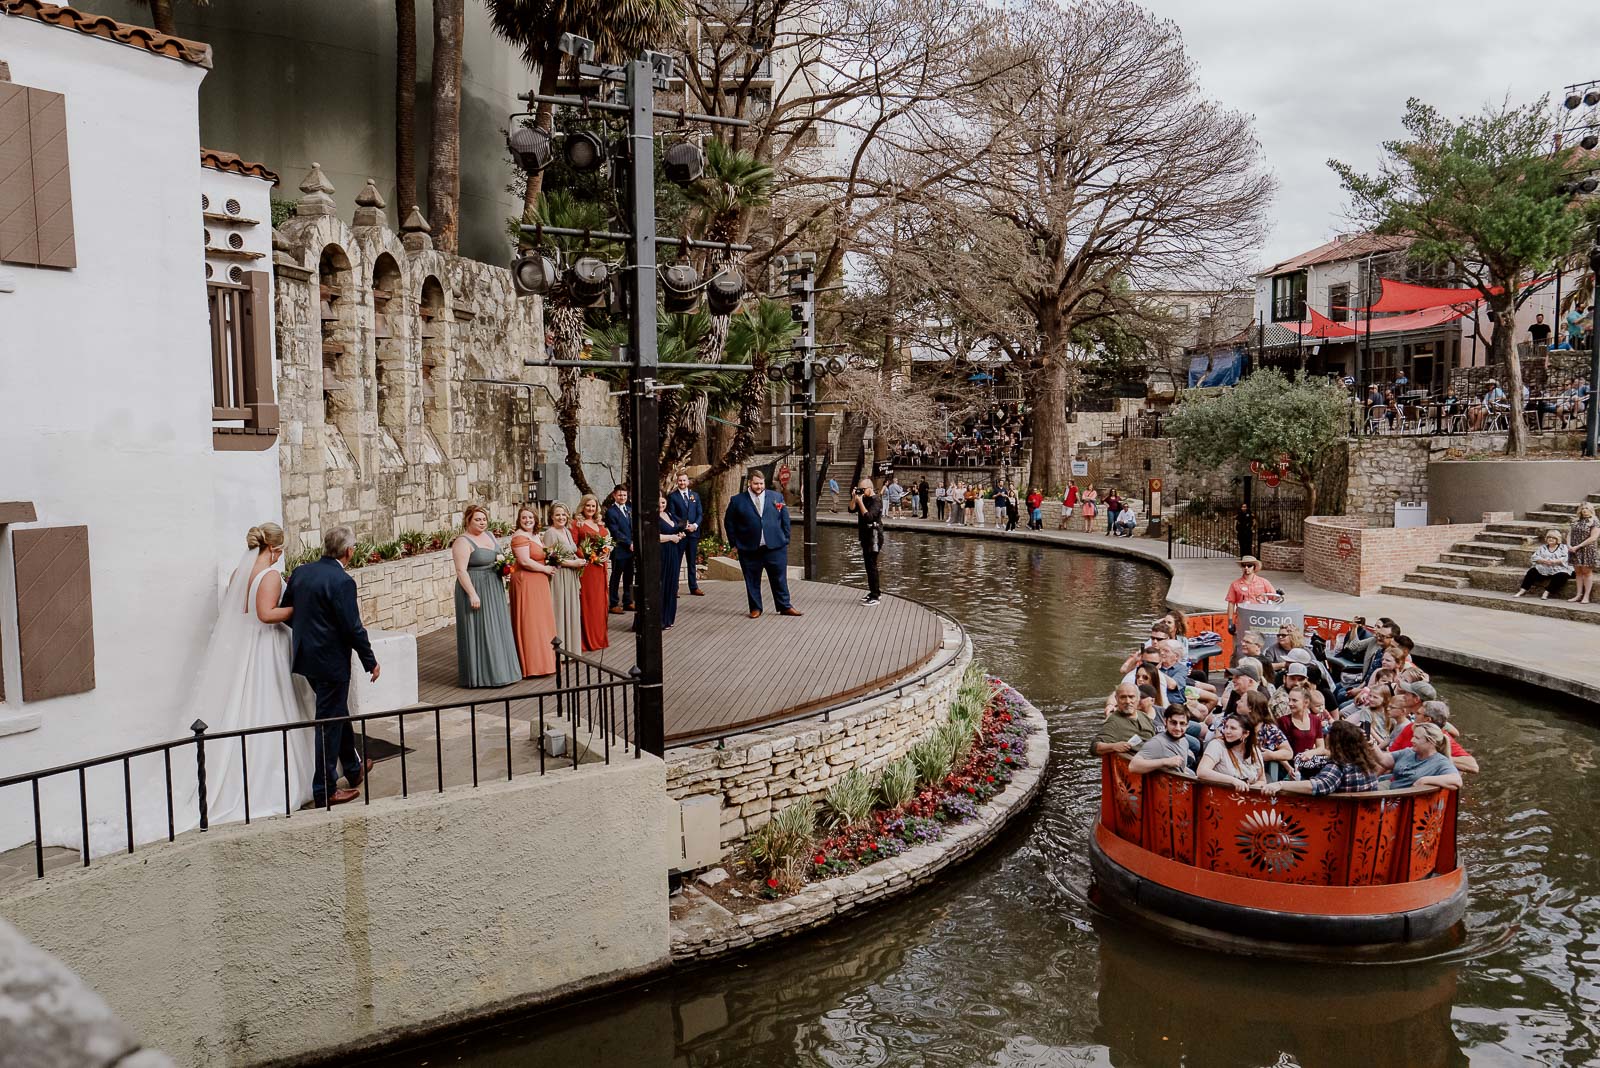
x=1554 y=653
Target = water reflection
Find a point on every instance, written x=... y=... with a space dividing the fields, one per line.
x=1007 y=963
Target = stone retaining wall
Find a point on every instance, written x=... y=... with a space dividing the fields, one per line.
x=1345 y=555
x=415 y=594
x=759 y=768
x=823 y=901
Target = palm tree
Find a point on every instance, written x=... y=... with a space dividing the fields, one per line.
x=735 y=183
x=618 y=28
x=444 y=161
x=405 y=106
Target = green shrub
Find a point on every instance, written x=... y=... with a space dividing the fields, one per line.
x=933 y=758
x=391 y=550
x=500 y=528
x=898 y=782
x=282 y=210
x=784 y=839
x=412 y=541
x=956 y=737
x=849 y=800
x=439 y=539
x=305 y=556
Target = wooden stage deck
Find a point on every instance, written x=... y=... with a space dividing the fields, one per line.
x=725 y=671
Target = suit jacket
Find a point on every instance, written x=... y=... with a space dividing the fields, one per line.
x=619 y=521
x=745 y=528
x=327 y=622
x=688 y=511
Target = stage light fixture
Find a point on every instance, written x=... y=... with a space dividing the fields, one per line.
x=680 y=288
x=1589 y=185
x=1572 y=101
x=836 y=366
x=585 y=150
x=777 y=372
x=683 y=162
x=1590 y=139
x=724 y=291
x=533 y=274
x=531 y=147
x=1592 y=97
x=589 y=281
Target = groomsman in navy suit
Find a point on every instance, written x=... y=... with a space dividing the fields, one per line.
x=619 y=521
x=757 y=523
x=683 y=505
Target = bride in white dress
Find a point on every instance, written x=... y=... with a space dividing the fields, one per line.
x=245 y=681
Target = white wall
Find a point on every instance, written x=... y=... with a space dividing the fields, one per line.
x=105 y=399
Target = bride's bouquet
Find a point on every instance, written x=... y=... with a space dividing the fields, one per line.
x=596 y=546
x=505 y=563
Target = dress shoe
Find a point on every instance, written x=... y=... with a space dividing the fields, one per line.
x=790 y=612
x=755 y=613
x=366 y=769
x=627 y=608
x=616 y=610
x=697 y=593
x=340 y=797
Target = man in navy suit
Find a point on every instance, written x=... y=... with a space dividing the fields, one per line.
x=327 y=628
x=757 y=524
x=683 y=505
x=619 y=521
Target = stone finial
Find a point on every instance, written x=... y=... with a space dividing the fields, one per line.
x=318 y=199
x=415 y=231
x=369 y=206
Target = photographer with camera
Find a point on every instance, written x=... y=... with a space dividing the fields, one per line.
x=868 y=507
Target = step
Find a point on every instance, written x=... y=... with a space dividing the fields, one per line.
x=1520 y=553
x=1527 y=528
x=1449 y=582
x=1531 y=605
x=1498 y=538
x=1503 y=579
x=1458 y=570
x=1563 y=520
x=1566 y=507
x=1471 y=559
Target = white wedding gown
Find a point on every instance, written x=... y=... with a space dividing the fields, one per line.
x=243 y=681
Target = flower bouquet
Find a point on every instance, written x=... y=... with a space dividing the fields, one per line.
x=595 y=547
x=556 y=555
x=505 y=562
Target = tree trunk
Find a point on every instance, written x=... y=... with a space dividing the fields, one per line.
x=544 y=119
x=567 y=324
x=405 y=107
x=1051 y=464
x=719 y=488
x=161 y=15
x=444 y=161
x=1503 y=347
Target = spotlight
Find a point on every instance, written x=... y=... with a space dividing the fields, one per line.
x=679 y=288
x=1572 y=101
x=588 y=279
x=1590 y=139
x=1592 y=97
x=531 y=147
x=777 y=372
x=683 y=163
x=724 y=290
x=585 y=150
x=836 y=366
x=1589 y=185
x=533 y=274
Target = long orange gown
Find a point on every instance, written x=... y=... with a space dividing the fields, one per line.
x=592 y=596
x=533 y=616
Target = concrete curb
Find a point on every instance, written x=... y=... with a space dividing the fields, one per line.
x=1184 y=593
x=832 y=899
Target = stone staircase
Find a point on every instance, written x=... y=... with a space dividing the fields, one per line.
x=1487 y=570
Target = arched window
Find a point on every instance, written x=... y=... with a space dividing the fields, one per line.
x=389 y=350
x=341 y=380
x=436 y=384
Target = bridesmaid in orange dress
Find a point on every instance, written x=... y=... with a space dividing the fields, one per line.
x=592 y=594
x=533 y=616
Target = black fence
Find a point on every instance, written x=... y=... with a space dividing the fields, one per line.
x=1434 y=418
x=1215 y=534
x=588 y=695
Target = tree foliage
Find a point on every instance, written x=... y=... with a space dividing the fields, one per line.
x=1483 y=198
x=1267 y=418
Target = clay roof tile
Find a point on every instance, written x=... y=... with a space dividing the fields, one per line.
x=217 y=160
x=67 y=18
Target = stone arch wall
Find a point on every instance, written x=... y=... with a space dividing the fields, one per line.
x=427 y=350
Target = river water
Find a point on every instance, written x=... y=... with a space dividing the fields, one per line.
x=1007 y=962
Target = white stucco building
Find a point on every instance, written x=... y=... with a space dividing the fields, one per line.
x=139 y=443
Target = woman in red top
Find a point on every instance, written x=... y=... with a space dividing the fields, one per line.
x=592 y=591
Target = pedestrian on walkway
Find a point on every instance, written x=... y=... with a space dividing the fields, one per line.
x=969 y=505
x=1013 y=510
x=941 y=500
x=922 y=497
x=1581 y=550
x=1069 y=504
x=869 y=528
x=1090 y=496
x=1244 y=528
x=1113 y=509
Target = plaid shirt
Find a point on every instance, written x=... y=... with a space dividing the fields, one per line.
x=1342 y=778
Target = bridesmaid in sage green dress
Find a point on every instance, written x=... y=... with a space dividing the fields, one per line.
x=486 y=647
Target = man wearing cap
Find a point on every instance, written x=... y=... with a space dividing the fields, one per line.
x=1127 y=728
x=1171 y=750
x=1314 y=671
x=1248 y=588
x=1437 y=713
x=1242 y=678
x=1421 y=765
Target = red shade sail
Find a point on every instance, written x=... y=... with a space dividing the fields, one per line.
x=1320 y=326
x=1406 y=297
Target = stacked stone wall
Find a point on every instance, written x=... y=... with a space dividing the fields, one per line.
x=415 y=594
x=1347 y=555
x=760 y=770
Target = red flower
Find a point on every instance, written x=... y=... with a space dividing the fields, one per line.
x=972 y=789
x=773 y=883
x=988 y=778
x=820 y=858
x=872 y=844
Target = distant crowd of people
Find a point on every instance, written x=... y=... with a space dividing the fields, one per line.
x=973 y=504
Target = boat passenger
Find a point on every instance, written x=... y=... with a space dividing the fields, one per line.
x=1231 y=760
x=1351 y=767
x=1277 y=755
x=1169 y=750
x=1127 y=728
x=1421 y=765
x=1437 y=713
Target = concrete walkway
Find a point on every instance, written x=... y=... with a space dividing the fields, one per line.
x=1553 y=653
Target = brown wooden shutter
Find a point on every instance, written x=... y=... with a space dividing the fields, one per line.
x=55 y=613
x=35 y=184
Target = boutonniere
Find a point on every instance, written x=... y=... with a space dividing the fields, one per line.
x=778 y=504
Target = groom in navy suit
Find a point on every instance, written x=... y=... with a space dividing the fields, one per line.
x=327 y=628
x=683 y=505
x=757 y=523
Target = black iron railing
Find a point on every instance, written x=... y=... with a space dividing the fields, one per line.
x=1210 y=534
x=588 y=695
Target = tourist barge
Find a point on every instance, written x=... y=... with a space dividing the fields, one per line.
x=1262 y=873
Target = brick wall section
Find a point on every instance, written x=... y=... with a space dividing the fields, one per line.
x=760 y=769
x=1372 y=556
x=415 y=594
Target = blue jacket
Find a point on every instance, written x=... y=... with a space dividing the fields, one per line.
x=745 y=528
x=327 y=622
x=619 y=521
x=688 y=511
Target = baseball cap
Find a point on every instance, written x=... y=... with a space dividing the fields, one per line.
x=1296 y=671
x=1298 y=656
x=1248 y=666
x=1423 y=690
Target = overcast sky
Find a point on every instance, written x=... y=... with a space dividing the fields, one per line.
x=1331 y=80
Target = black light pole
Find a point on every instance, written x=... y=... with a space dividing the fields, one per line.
x=1591 y=438
x=802 y=291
